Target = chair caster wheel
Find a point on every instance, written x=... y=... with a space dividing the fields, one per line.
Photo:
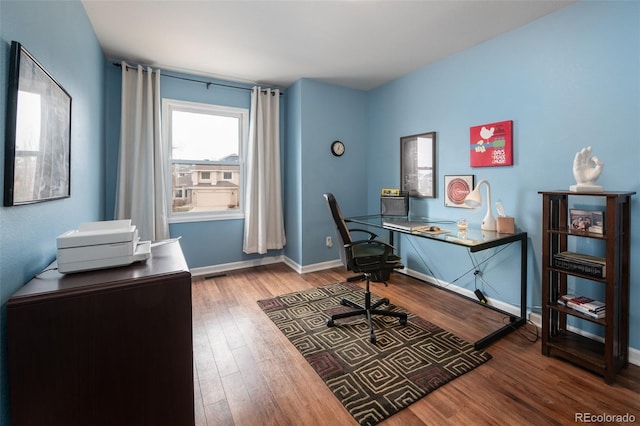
x=343 y=302
x=385 y=301
x=373 y=339
x=330 y=322
x=403 y=321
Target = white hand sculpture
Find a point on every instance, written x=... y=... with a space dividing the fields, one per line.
x=586 y=169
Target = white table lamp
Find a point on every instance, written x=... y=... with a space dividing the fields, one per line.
x=474 y=199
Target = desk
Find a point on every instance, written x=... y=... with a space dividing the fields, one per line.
x=475 y=240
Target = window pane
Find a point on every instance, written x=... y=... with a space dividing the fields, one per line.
x=203 y=137
x=194 y=193
x=205 y=145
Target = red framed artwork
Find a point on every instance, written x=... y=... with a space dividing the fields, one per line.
x=491 y=144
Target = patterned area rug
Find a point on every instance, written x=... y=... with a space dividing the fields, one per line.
x=373 y=382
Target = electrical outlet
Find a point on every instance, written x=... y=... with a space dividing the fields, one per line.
x=329 y=242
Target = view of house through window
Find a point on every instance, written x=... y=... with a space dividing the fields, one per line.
x=205 y=144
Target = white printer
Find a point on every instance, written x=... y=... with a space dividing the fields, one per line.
x=99 y=245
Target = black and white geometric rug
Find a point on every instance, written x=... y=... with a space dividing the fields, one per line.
x=372 y=381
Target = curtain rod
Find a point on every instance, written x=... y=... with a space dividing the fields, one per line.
x=208 y=83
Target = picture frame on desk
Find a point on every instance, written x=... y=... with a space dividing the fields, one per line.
x=456 y=189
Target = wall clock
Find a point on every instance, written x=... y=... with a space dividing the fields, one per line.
x=337 y=148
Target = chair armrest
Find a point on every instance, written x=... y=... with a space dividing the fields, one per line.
x=372 y=235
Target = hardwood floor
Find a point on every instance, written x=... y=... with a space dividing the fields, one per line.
x=247 y=373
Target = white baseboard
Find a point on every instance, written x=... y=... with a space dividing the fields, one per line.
x=218 y=269
x=311 y=268
x=321 y=266
x=536 y=319
x=514 y=310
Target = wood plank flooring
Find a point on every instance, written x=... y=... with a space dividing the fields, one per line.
x=247 y=373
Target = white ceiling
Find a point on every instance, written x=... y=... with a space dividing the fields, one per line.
x=355 y=43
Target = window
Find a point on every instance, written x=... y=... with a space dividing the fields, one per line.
x=205 y=144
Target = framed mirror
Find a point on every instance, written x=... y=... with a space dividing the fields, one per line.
x=418 y=165
x=37 y=133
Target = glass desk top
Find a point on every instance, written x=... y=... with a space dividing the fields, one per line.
x=439 y=229
x=474 y=239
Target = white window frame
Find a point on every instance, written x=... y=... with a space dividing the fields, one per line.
x=170 y=105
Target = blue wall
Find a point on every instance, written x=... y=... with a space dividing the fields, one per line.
x=568 y=80
x=325 y=113
x=60 y=36
x=293 y=170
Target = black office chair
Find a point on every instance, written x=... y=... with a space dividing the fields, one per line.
x=373 y=258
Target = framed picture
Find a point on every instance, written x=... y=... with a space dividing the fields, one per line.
x=586 y=220
x=37 y=133
x=418 y=165
x=456 y=189
x=491 y=144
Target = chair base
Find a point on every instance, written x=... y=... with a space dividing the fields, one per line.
x=367 y=310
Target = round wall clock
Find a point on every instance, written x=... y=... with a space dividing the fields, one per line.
x=337 y=148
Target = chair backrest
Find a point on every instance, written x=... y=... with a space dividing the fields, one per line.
x=341 y=226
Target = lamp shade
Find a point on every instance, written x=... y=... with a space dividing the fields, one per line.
x=474 y=199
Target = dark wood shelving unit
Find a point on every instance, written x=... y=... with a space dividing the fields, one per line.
x=609 y=356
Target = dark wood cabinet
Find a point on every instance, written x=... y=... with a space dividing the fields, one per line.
x=107 y=347
x=604 y=356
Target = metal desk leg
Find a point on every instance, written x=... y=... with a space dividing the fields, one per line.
x=514 y=321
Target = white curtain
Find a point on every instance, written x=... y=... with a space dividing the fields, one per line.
x=263 y=223
x=141 y=191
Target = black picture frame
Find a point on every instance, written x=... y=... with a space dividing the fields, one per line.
x=37 y=133
x=418 y=165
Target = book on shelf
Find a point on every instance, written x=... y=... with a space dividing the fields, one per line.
x=580 y=257
x=584 y=305
x=582 y=263
x=586 y=220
